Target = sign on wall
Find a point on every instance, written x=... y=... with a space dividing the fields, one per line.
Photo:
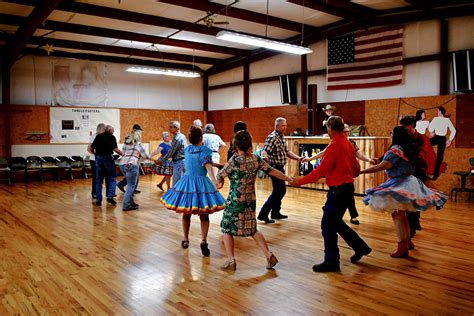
x=79 y=83
x=77 y=125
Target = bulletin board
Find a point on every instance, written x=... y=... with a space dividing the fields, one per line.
x=77 y=125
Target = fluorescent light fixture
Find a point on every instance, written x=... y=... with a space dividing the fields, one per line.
x=165 y=71
x=262 y=42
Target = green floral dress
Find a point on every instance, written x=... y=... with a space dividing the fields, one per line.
x=239 y=213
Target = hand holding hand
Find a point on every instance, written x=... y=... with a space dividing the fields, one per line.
x=305 y=160
x=294 y=182
x=375 y=161
x=448 y=143
x=219 y=185
x=159 y=162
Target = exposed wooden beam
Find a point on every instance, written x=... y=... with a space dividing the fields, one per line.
x=352 y=7
x=204 y=5
x=443 y=71
x=111 y=59
x=124 y=35
x=41 y=11
x=304 y=79
x=246 y=96
x=324 y=7
x=205 y=93
x=123 y=50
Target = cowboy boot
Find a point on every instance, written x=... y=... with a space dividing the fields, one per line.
x=402 y=250
x=411 y=245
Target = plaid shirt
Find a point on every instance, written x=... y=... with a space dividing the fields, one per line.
x=276 y=148
x=177 y=148
x=132 y=152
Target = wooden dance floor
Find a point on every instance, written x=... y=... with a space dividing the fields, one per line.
x=61 y=254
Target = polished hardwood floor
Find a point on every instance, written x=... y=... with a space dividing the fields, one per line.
x=61 y=254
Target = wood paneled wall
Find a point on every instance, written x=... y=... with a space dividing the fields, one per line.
x=260 y=121
x=154 y=122
x=353 y=113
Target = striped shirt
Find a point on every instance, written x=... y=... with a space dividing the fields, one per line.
x=132 y=152
x=276 y=148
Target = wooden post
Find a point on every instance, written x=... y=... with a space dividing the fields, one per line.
x=304 y=79
x=6 y=106
x=205 y=93
x=312 y=109
x=443 y=69
x=246 y=102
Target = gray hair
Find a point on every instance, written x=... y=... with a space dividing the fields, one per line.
x=164 y=134
x=109 y=128
x=100 y=128
x=279 y=121
x=175 y=124
x=197 y=123
x=209 y=128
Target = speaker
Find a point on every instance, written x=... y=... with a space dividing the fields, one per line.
x=463 y=70
x=288 y=89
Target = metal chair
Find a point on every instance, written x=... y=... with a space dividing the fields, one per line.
x=5 y=169
x=34 y=164
x=464 y=175
x=77 y=163
x=65 y=163
x=18 y=165
x=51 y=164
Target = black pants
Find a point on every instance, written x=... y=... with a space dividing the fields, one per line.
x=94 y=176
x=273 y=202
x=351 y=205
x=439 y=141
x=332 y=224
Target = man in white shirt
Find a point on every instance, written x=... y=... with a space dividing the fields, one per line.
x=439 y=129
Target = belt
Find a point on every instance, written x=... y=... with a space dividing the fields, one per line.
x=215 y=151
x=176 y=160
x=342 y=186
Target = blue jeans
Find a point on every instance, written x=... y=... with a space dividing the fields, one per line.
x=178 y=170
x=273 y=202
x=131 y=174
x=338 y=199
x=105 y=168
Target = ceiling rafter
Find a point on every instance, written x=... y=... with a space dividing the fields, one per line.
x=113 y=59
x=352 y=7
x=123 y=50
x=124 y=35
x=345 y=27
x=204 y=5
x=41 y=11
x=324 y=7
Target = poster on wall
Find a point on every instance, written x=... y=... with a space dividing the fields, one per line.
x=79 y=83
x=76 y=125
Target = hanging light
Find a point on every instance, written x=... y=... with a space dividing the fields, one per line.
x=262 y=42
x=165 y=71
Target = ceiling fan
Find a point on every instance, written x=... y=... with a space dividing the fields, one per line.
x=209 y=21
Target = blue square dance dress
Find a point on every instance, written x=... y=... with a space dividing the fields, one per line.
x=194 y=193
x=402 y=191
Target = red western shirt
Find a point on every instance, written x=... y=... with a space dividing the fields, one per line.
x=339 y=164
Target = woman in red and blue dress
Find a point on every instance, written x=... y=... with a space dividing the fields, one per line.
x=402 y=192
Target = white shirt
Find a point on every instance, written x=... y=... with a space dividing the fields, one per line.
x=439 y=125
x=421 y=126
x=213 y=142
x=91 y=140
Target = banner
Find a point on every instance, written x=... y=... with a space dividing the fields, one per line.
x=77 y=125
x=79 y=83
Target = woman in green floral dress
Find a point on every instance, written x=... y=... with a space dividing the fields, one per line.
x=239 y=213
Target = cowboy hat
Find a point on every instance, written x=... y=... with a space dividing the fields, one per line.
x=329 y=107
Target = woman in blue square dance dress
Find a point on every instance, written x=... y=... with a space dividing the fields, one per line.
x=239 y=214
x=194 y=193
x=402 y=192
x=164 y=169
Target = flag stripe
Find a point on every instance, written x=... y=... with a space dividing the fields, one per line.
x=367 y=76
x=366 y=85
x=371 y=59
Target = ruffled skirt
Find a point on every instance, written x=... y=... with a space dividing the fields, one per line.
x=404 y=194
x=164 y=169
x=193 y=195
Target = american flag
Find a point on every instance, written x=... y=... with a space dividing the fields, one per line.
x=366 y=59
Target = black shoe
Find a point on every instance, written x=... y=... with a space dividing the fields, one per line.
x=265 y=219
x=323 y=267
x=135 y=204
x=131 y=208
x=137 y=191
x=279 y=216
x=121 y=188
x=98 y=203
x=355 y=221
x=205 y=249
x=359 y=254
x=111 y=201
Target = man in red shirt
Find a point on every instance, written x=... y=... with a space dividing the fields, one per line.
x=340 y=167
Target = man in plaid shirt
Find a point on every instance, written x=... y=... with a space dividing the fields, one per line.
x=275 y=151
